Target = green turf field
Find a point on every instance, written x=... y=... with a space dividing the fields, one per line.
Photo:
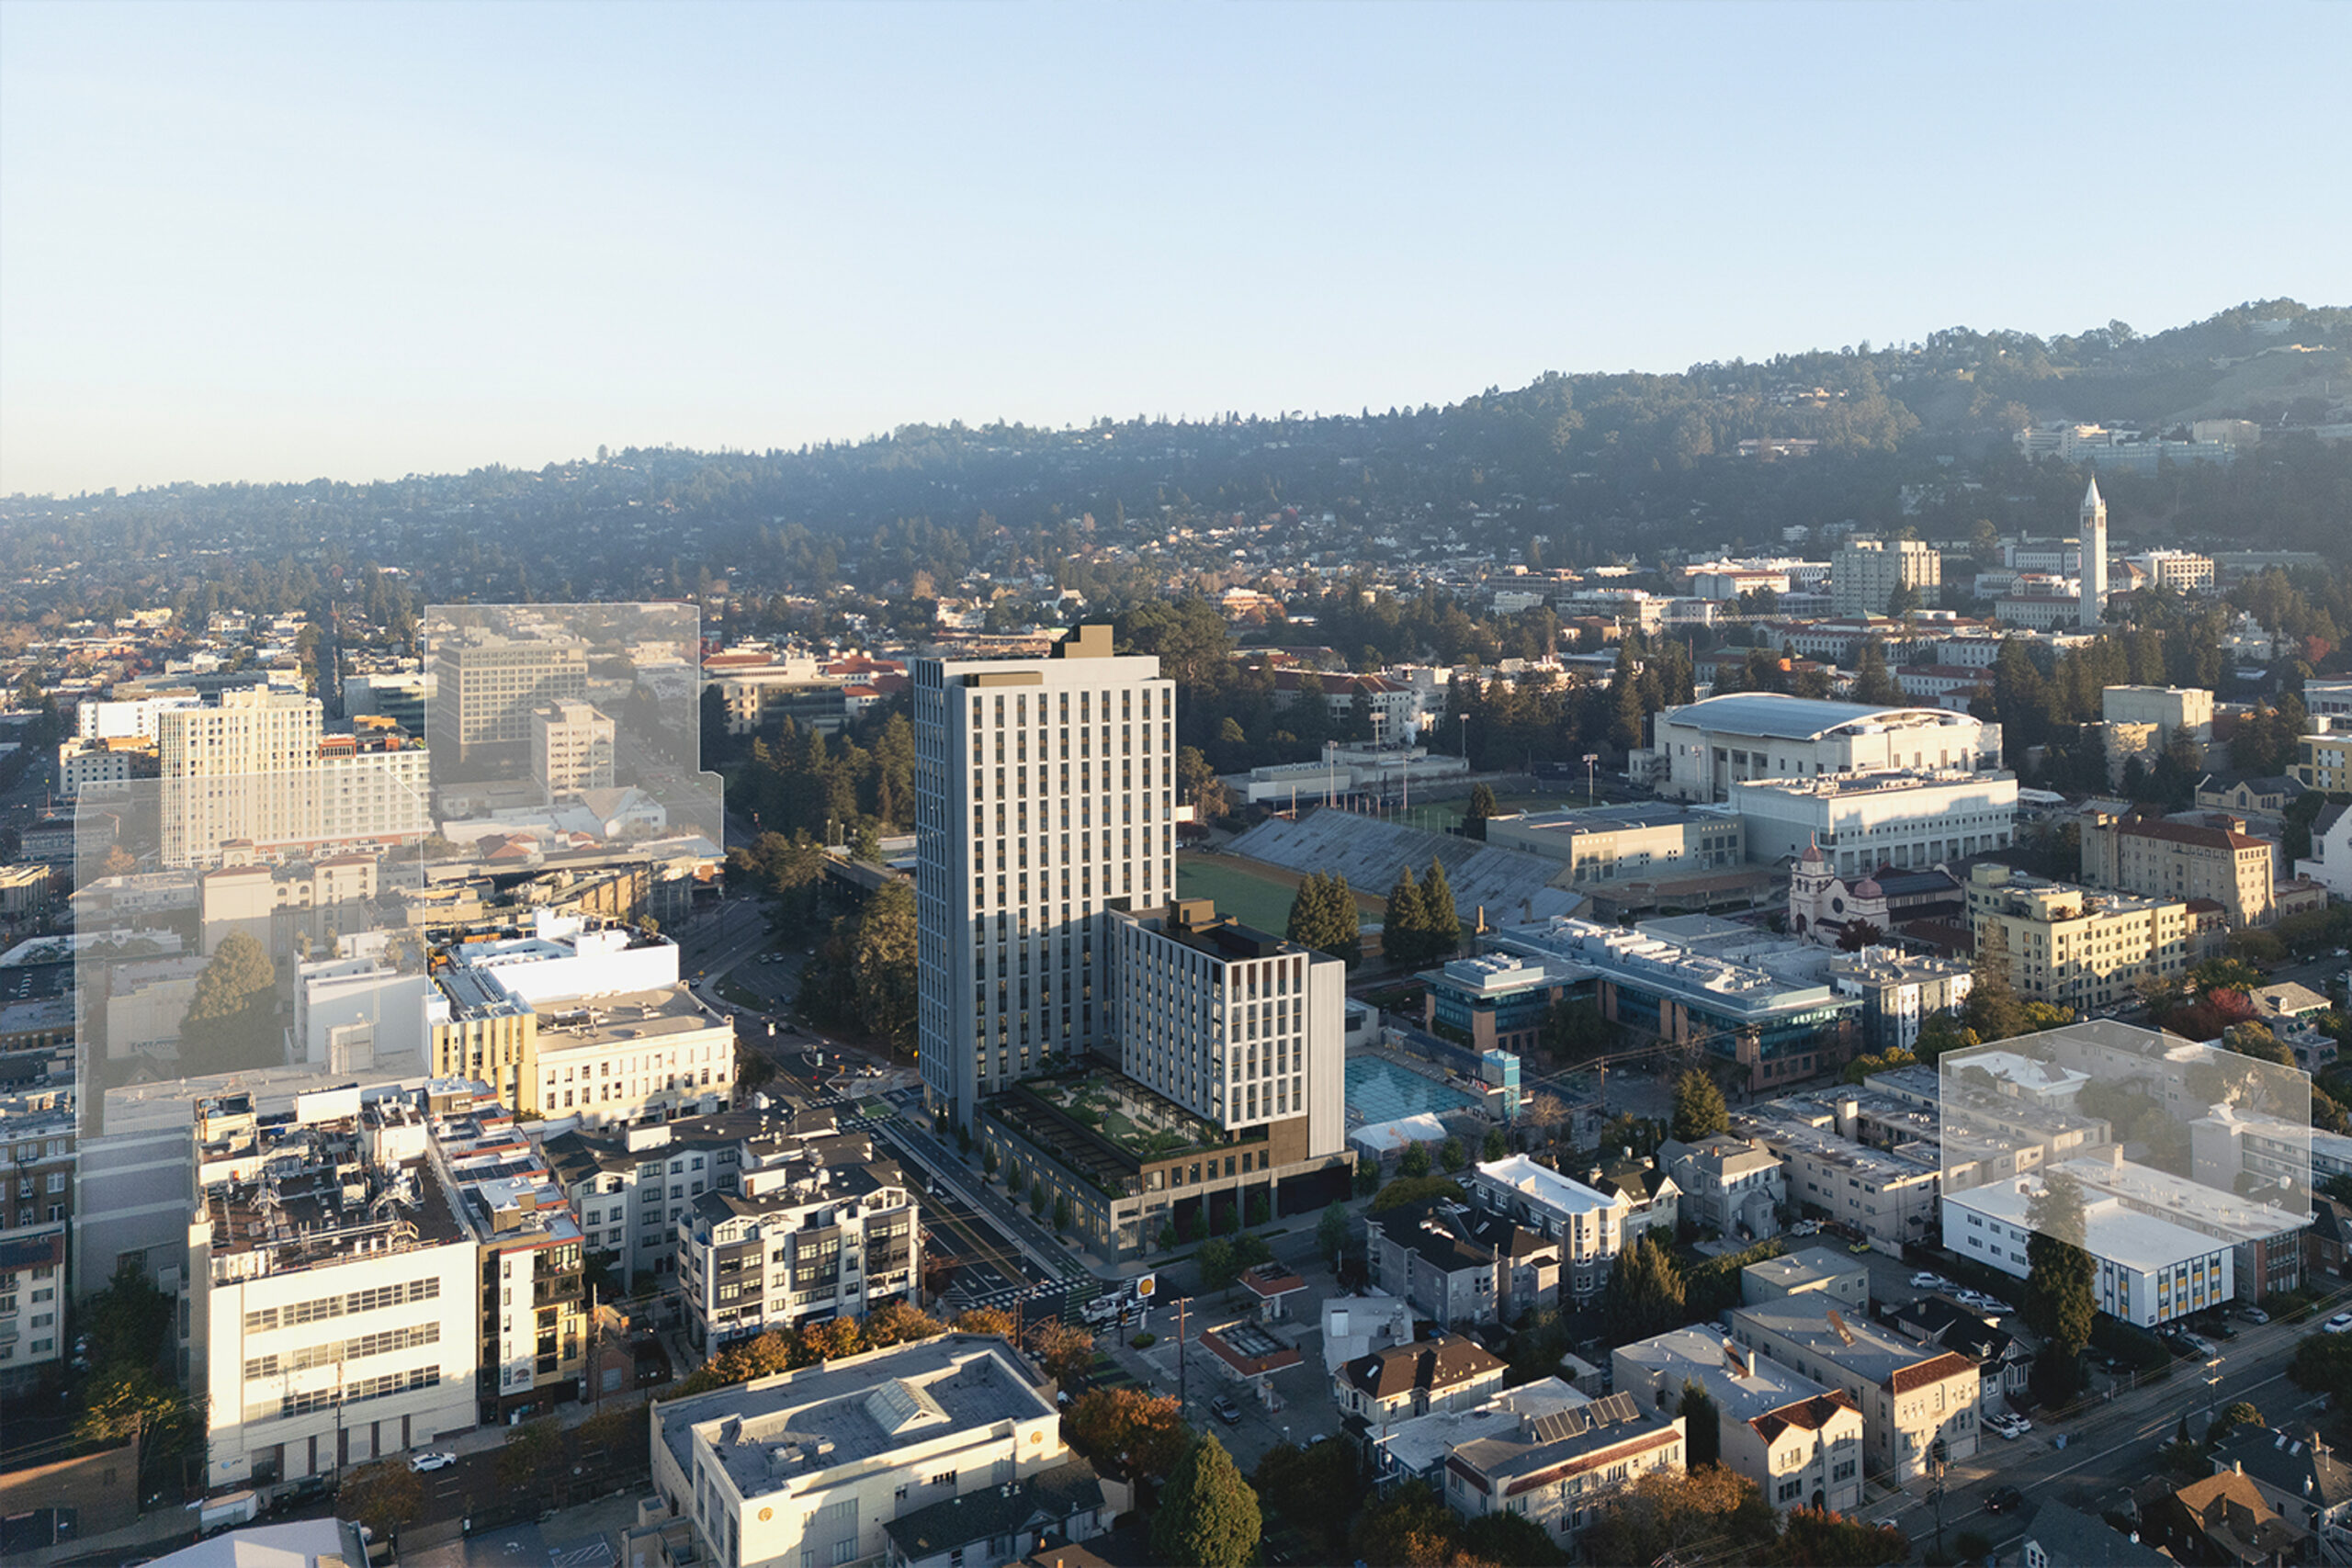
x=1253 y=900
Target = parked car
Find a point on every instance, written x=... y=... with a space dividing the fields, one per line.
x=1997 y=1306
x=2002 y=1499
x=1923 y=1281
x=438 y=1458
x=2004 y=1427
x=2253 y=1315
x=1227 y=1410
x=2341 y=1323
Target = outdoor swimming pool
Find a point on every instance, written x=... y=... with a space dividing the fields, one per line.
x=1383 y=1092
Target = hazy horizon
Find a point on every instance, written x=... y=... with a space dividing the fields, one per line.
x=271 y=245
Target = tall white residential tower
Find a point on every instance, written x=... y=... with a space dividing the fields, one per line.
x=2093 y=537
x=1046 y=794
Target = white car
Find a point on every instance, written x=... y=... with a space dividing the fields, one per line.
x=2004 y=1426
x=1997 y=1306
x=2255 y=1314
x=1923 y=1281
x=439 y=1459
x=2340 y=1324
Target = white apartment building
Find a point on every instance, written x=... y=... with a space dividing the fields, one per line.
x=631 y=1184
x=1046 y=794
x=1800 y=1441
x=254 y=766
x=1866 y=573
x=127 y=718
x=32 y=1282
x=1907 y=819
x=1240 y=1028
x=334 y=1313
x=1911 y=1396
x=1700 y=750
x=88 y=766
x=571 y=748
x=2150 y=1270
x=485 y=687
x=2184 y=571
x=824 y=1229
x=804 y=1468
x=1589 y=1224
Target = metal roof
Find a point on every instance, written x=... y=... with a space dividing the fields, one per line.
x=1793 y=719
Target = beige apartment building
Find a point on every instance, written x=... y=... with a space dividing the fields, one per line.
x=2325 y=762
x=1865 y=573
x=2067 y=945
x=2177 y=860
x=1911 y=1395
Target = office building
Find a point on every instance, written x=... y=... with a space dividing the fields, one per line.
x=1800 y=1441
x=334 y=1299
x=1045 y=794
x=2150 y=1270
x=1700 y=750
x=2091 y=539
x=1496 y=1001
x=1911 y=1396
x=1908 y=819
x=2156 y=858
x=814 y=1466
x=88 y=767
x=2067 y=945
x=484 y=689
x=1610 y=843
x=572 y=749
x=1866 y=575
x=820 y=1228
x=2323 y=762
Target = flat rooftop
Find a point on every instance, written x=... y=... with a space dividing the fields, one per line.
x=1864 y=1350
x=788 y=1432
x=1539 y=1184
x=1420 y=1444
x=1743 y=1383
x=2120 y=1235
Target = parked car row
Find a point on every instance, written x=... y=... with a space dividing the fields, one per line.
x=2006 y=1425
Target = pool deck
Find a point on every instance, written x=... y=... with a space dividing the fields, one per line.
x=1377 y=1099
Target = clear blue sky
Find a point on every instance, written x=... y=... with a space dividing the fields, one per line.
x=279 y=242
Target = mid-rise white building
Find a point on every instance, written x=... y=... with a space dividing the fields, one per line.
x=1046 y=794
x=822 y=1229
x=1908 y=819
x=1867 y=573
x=253 y=767
x=333 y=1304
x=571 y=748
x=1700 y=750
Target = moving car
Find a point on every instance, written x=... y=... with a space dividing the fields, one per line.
x=2002 y=1499
x=437 y=1458
x=2341 y=1323
x=1227 y=1410
x=2253 y=1315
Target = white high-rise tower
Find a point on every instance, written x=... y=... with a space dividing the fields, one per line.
x=1046 y=794
x=2092 y=536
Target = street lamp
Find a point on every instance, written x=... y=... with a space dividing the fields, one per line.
x=1589 y=759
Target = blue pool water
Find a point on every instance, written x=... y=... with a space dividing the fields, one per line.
x=1383 y=1092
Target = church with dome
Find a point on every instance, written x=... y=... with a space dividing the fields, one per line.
x=1825 y=908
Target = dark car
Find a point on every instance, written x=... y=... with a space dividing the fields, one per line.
x=1227 y=1410
x=2002 y=1499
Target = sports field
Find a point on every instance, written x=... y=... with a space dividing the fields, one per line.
x=1251 y=891
x=1445 y=816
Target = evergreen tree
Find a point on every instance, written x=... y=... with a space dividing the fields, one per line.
x=1441 y=922
x=1482 y=806
x=2061 y=1295
x=1873 y=681
x=1403 y=923
x=1699 y=1107
x=1703 y=1436
x=230 y=1016
x=1645 y=1292
x=1208 y=1514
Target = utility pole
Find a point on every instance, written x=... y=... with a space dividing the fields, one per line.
x=1589 y=759
x=1184 y=1397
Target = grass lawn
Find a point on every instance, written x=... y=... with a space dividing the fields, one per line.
x=1444 y=816
x=742 y=996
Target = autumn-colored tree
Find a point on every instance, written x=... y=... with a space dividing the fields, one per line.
x=386 y=1497
x=986 y=1320
x=1065 y=1352
x=1144 y=1430
x=1671 y=1511
x=897 y=1322
x=827 y=1341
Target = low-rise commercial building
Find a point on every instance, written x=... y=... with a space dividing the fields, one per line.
x=1907 y=819
x=1607 y=843
x=1917 y=1403
x=1800 y=1441
x=2150 y=1270
x=813 y=1466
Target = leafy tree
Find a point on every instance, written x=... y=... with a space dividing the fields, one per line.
x=1414 y=1190
x=1217 y=1266
x=897 y=1321
x=1065 y=1352
x=1208 y=1515
x=1061 y=1211
x=530 y=1451
x=1451 y=1155
x=1511 y=1539
x=229 y=1018
x=2323 y=1364
x=883 y=955
x=2237 y=1412
x=1331 y=1233
x=1413 y=1162
x=1812 y=1538
x=1873 y=681
x=1494 y=1147
x=1409 y=1527
x=1645 y=1292
x=1313 y=1490
x=1663 y=1512
x=1699 y=1107
x=1482 y=806
x=387 y=1497
x=123 y=1402
x=985 y=1320
x=1367 y=1177
x=2061 y=1295
x=1249 y=1250
x=1110 y=1424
